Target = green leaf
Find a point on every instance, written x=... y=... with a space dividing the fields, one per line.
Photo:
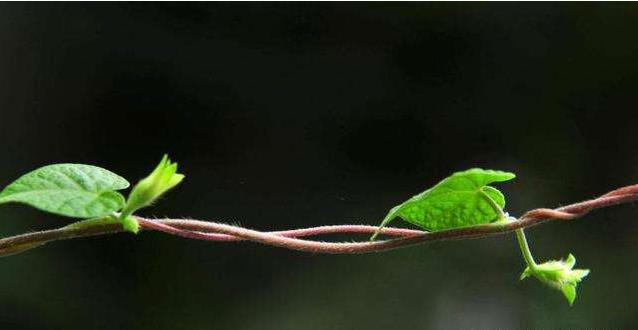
x=462 y=199
x=73 y=190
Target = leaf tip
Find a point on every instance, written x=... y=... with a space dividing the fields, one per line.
x=570 y=293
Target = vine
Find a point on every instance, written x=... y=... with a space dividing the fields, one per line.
x=461 y=206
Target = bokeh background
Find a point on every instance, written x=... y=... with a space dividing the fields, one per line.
x=295 y=115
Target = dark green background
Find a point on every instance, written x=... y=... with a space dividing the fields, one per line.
x=295 y=115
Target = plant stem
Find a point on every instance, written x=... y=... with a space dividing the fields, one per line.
x=527 y=254
x=520 y=233
x=212 y=231
x=497 y=208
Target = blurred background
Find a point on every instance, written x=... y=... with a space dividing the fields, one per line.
x=296 y=115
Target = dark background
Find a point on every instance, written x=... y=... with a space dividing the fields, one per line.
x=295 y=115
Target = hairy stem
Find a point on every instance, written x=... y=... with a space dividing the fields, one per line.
x=527 y=254
x=212 y=231
x=520 y=233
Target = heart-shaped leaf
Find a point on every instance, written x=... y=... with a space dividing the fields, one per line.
x=462 y=199
x=74 y=190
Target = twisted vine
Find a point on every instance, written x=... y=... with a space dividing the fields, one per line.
x=291 y=239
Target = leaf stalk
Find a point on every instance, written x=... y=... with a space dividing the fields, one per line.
x=527 y=253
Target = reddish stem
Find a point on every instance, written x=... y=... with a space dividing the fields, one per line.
x=212 y=231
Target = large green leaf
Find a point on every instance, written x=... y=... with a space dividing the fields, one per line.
x=74 y=190
x=462 y=199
